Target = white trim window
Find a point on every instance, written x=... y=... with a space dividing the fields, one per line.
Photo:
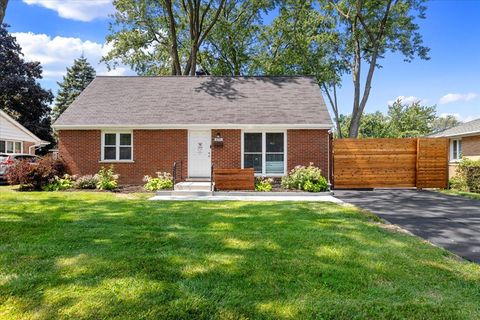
x=117 y=146
x=456 y=150
x=10 y=146
x=265 y=151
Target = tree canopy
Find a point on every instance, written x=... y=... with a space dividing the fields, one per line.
x=401 y=121
x=78 y=77
x=325 y=38
x=161 y=36
x=21 y=96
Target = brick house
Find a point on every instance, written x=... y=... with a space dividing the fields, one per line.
x=143 y=125
x=464 y=141
x=15 y=138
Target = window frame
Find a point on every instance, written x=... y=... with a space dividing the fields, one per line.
x=117 y=146
x=14 y=146
x=264 y=151
x=458 y=150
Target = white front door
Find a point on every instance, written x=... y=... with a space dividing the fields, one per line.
x=199 y=152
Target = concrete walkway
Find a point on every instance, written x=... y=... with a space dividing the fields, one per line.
x=247 y=198
x=451 y=222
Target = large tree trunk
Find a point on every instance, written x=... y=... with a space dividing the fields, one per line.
x=356 y=112
x=3 y=9
x=176 y=69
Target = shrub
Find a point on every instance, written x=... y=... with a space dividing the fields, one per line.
x=34 y=176
x=457 y=183
x=305 y=178
x=263 y=184
x=318 y=186
x=467 y=176
x=107 y=179
x=58 y=184
x=163 y=181
x=86 y=182
x=473 y=178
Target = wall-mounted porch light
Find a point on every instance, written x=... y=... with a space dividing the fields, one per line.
x=218 y=140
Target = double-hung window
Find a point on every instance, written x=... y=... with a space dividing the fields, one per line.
x=117 y=146
x=265 y=152
x=7 y=146
x=456 y=150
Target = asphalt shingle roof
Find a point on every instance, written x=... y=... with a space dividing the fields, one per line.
x=470 y=127
x=198 y=100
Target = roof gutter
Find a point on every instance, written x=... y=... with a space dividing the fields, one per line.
x=191 y=126
x=38 y=145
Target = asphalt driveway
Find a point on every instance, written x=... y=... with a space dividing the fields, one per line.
x=451 y=222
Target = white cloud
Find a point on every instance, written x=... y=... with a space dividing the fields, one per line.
x=407 y=99
x=56 y=54
x=86 y=10
x=457 y=97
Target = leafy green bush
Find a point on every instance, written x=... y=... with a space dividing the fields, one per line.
x=163 y=181
x=263 y=184
x=318 y=186
x=467 y=176
x=457 y=183
x=86 y=182
x=473 y=178
x=58 y=184
x=107 y=179
x=305 y=178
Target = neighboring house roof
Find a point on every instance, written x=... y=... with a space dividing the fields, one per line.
x=464 y=129
x=11 y=129
x=173 y=101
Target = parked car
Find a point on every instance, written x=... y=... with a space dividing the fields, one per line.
x=8 y=160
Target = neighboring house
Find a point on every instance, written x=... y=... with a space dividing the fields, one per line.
x=143 y=125
x=464 y=141
x=15 y=138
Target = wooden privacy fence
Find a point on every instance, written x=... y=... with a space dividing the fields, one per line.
x=390 y=163
x=234 y=179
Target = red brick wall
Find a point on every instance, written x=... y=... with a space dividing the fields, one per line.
x=26 y=147
x=153 y=150
x=305 y=146
x=229 y=155
x=156 y=150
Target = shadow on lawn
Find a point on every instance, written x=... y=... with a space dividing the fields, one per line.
x=109 y=258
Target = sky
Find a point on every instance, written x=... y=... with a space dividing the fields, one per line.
x=55 y=32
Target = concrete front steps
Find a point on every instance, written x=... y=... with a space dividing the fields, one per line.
x=193 y=187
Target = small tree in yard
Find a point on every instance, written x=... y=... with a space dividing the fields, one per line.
x=74 y=82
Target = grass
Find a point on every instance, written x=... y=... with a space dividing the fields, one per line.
x=470 y=195
x=78 y=255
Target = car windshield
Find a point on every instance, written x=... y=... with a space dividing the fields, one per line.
x=3 y=158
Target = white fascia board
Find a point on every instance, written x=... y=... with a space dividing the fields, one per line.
x=193 y=126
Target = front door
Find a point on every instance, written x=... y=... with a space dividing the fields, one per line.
x=199 y=160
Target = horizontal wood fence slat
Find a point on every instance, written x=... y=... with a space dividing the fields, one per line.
x=234 y=179
x=390 y=163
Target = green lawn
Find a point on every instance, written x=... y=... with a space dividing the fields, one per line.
x=76 y=255
x=470 y=195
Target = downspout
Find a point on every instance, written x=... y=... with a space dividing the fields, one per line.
x=328 y=162
x=38 y=145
